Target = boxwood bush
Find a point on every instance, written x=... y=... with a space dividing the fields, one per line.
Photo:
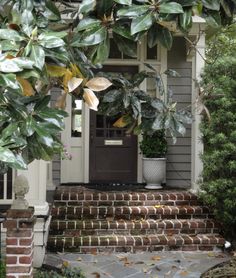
x=219 y=138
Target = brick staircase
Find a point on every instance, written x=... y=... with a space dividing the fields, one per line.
x=86 y=221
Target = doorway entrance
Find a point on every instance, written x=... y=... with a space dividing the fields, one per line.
x=112 y=153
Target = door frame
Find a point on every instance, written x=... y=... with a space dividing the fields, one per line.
x=160 y=64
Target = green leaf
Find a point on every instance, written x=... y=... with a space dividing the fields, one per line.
x=87 y=6
x=187 y=3
x=6 y=155
x=141 y=23
x=19 y=163
x=95 y=37
x=158 y=104
x=133 y=11
x=122 y=30
x=27 y=18
x=9 y=80
x=9 y=66
x=49 y=41
x=185 y=20
x=37 y=55
x=87 y=23
x=152 y=36
x=112 y=95
x=170 y=8
x=102 y=52
x=24 y=63
x=165 y=37
x=172 y=73
x=7 y=45
x=211 y=5
x=126 y=46
x=51 y=11
x=213 y=19
x=8 y=34
x=226 y=7
x=8 y=131
x=124 y=2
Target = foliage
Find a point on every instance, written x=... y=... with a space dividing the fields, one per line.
x=221 y=42
x=65 y=272
x=219 y=138
x=46 y=43
x=2 y=268
x=142 y=113
x=154 y=145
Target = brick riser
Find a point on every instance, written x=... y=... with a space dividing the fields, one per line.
x=91 y=221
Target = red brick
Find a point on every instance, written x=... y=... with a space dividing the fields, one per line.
x=10 y=224
x=11 y=241
x=18 y=250
x=11 y=260
x=189 y=248
x=26 y=259
x=26 y=242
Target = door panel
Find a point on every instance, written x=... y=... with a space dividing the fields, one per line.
x=113 y=154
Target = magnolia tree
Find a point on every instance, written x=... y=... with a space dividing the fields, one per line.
x=46 y=43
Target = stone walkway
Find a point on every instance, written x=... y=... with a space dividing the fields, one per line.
x=140 y=265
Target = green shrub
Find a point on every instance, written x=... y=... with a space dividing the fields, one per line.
x=219 y=138
x=154 y=145
x=66 y=272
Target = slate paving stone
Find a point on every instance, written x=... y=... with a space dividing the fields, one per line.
x=119 y=271
x=141 y=265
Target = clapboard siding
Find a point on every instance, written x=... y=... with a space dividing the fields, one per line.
x=56 y=163
x=179 y=154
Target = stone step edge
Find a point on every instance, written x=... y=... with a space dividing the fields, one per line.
x=125 y=196
x=136 y=210
x=57 y=225
x=150 y=240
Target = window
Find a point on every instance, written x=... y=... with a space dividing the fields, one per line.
x=76 y=119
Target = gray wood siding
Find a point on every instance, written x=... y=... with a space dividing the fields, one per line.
x=179 y=155
x=56 y=163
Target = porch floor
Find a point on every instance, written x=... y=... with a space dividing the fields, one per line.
x=89 y=220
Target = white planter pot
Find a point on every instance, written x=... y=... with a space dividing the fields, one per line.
x=154 y=172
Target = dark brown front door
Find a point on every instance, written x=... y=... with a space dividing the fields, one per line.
x=113 y=154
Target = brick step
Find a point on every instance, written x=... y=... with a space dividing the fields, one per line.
x=82 y=194
x=131 y=212
x=105 y=227
x=134 y=243
x=100 y=203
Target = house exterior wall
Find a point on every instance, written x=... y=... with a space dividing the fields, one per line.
x=179 y=154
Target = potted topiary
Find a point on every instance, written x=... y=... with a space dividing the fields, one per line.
x=154 y=147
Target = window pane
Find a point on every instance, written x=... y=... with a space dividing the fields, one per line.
x=76 y=124
x=152 y=53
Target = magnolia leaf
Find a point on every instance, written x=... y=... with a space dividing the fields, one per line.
x=124 y=2
x=141 y=23
x=73 y=83
x=171 y=8
x=98 y=84
x=26 y=86
x=56 y=71
x=121 y=122
x=8 y=80
x=10 y=66
x=75 y=70
x=91 y=99
x=61 y=101
x=67 y=77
